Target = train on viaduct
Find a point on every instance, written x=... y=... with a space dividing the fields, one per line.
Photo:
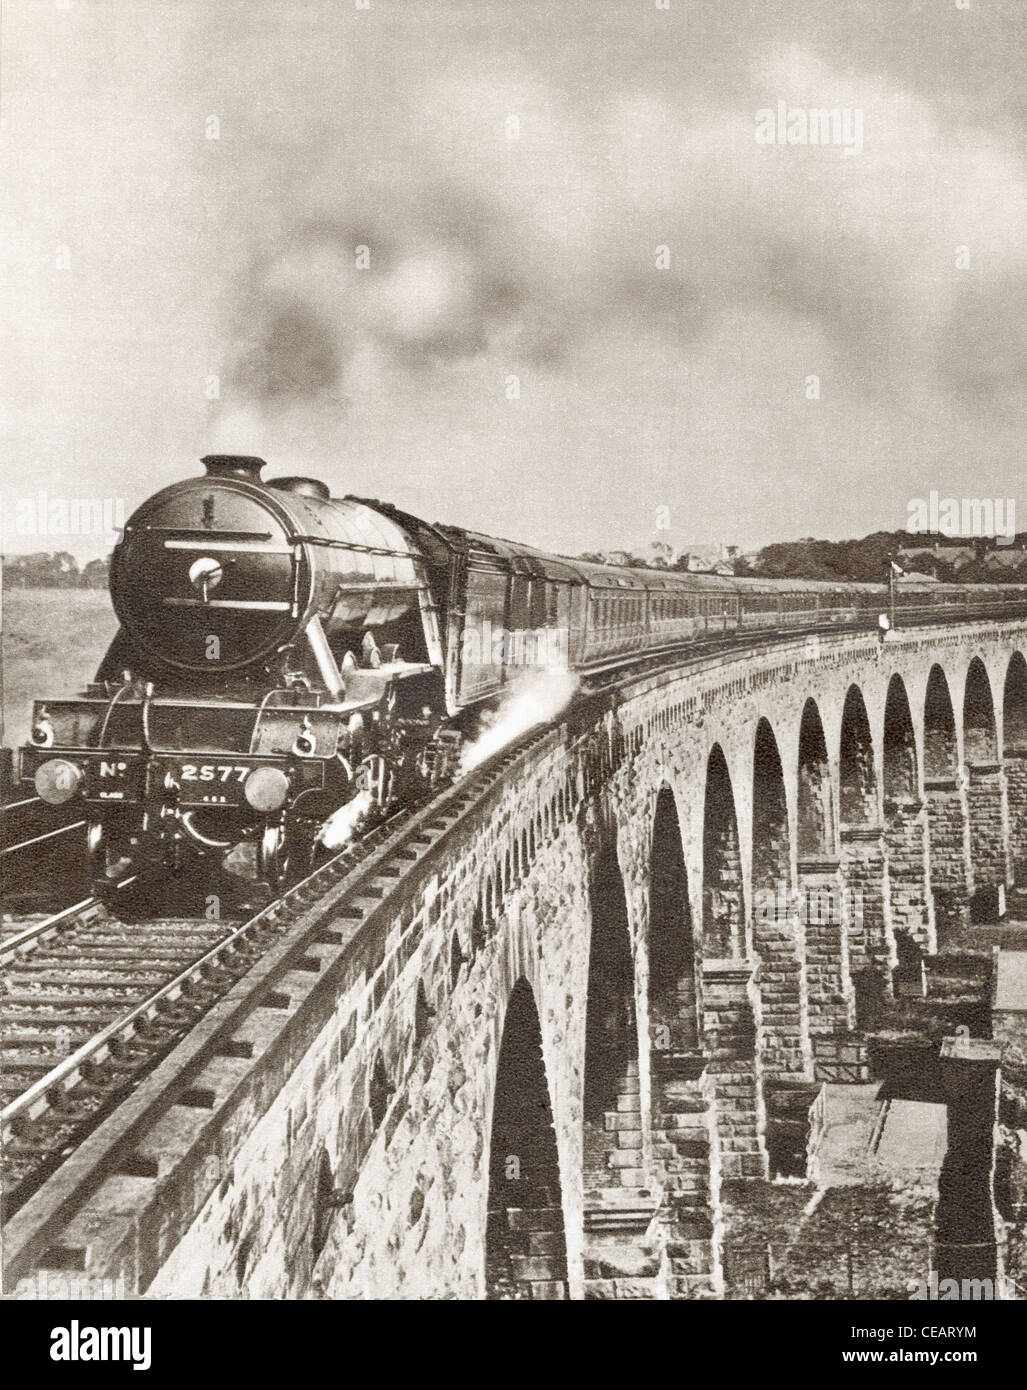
x=550 y=1038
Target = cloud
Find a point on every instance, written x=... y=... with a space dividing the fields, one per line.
x=533 y=239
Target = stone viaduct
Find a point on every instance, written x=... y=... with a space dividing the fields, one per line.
x=615 y=987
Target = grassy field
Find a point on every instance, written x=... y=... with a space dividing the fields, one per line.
x=53 y=641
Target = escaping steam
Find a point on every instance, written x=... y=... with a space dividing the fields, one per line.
x=535 y=699
x=339 y=828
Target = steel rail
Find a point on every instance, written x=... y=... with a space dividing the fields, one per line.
x=47 y=835
x=14 y=945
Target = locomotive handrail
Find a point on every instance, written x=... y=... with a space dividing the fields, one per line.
x=332 y=544
x=247 y=605
x=233 y=546
x=121 y=690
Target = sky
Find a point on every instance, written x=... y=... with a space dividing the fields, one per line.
x=523 y=267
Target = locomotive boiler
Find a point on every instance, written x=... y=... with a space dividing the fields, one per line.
x=283 y=654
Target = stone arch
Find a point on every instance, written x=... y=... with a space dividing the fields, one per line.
x=946 y=808
x=611 y=1039
x=941 y=754
x=1014 y=753
x=673 y=1022
x=723 y=904
x=525 y=1249
x=776 y=927
x=1014 y=705
x=858 y=782
x=770 y=843
x=980 y=739
x=912 y=917
x=983 y=795
x=899 y=745
x=816 y=837
x=863 y=930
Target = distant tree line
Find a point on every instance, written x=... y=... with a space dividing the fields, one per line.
x=53 y=571
x=620 y=557
x=868 y=560
x=959 y=561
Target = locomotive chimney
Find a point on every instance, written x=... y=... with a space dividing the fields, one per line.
x=243 y=466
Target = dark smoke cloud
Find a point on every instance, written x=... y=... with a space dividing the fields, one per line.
x=473 y=252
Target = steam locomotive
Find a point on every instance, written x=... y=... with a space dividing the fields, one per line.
x=283 y=653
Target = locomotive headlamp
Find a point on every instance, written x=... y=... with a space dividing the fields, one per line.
x=266 y=788
x=305 y=742
x=57 y=781
x=205 y=574
x=42 y=731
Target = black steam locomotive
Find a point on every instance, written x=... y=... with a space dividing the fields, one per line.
x=283 y=653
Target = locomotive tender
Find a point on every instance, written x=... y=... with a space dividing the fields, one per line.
x=281 y=651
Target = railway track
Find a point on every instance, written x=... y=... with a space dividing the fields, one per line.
x=82 y=991
x=88 y=1004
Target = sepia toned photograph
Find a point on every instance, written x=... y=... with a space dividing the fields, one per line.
x=514 y=662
